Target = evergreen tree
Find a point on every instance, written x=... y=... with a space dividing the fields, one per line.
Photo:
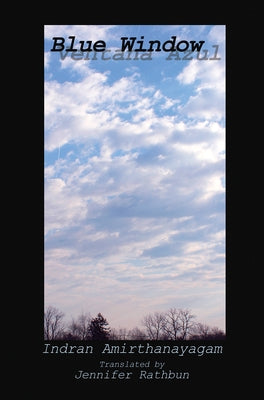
x=99 y=328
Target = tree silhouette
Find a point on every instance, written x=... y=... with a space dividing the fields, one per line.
x=154 y=324
x=205 y=332
x=80 y=328
x=99 y=328
x=53 y=325
x=175 y=324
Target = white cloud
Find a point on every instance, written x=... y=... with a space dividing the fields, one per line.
x=47 y=57
x=217 y=34
x=58 y=212
x=134 y=198
x=74 y=111
x=208 y=102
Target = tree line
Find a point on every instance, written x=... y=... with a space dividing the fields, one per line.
x=174 y=324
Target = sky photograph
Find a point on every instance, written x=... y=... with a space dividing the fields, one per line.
x=134 y=172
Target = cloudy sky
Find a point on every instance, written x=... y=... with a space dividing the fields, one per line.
x=135 y=176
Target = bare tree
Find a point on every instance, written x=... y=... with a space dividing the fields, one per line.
x=200 y=331
x=178 y=323
x=205 y=332
x=79 y=329
x=137 y=334
x=172 y=326
x=53 y=325
x=216 y=333
x=186 y=323
x=154 y=324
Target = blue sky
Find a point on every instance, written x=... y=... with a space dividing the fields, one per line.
x=135 y=177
